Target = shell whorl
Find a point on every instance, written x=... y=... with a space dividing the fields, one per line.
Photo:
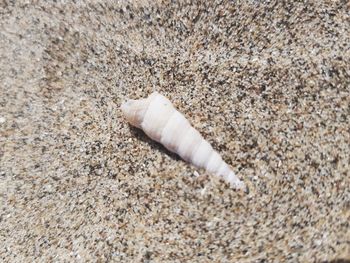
x=158 y=118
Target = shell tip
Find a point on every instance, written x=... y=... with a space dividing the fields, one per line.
x=236 y=183
x=240 y=186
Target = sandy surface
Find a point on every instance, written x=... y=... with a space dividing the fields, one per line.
x=267 y=84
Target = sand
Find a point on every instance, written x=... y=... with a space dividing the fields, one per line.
x=268 y=84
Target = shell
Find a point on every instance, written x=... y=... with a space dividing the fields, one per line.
x=158 y=118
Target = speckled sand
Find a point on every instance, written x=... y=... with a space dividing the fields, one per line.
x=267 y=84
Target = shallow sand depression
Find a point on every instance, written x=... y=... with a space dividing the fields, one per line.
x=267 y=84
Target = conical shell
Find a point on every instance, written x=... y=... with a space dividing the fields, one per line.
x=158 y=118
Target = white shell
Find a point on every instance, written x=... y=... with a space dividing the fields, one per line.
x=158 y=118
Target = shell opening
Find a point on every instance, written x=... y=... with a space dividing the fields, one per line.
x=134 y=111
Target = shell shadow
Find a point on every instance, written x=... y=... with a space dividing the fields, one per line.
x=139 y=134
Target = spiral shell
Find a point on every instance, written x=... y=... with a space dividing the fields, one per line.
x=158 y=118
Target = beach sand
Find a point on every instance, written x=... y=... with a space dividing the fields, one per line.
x=267 y=84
